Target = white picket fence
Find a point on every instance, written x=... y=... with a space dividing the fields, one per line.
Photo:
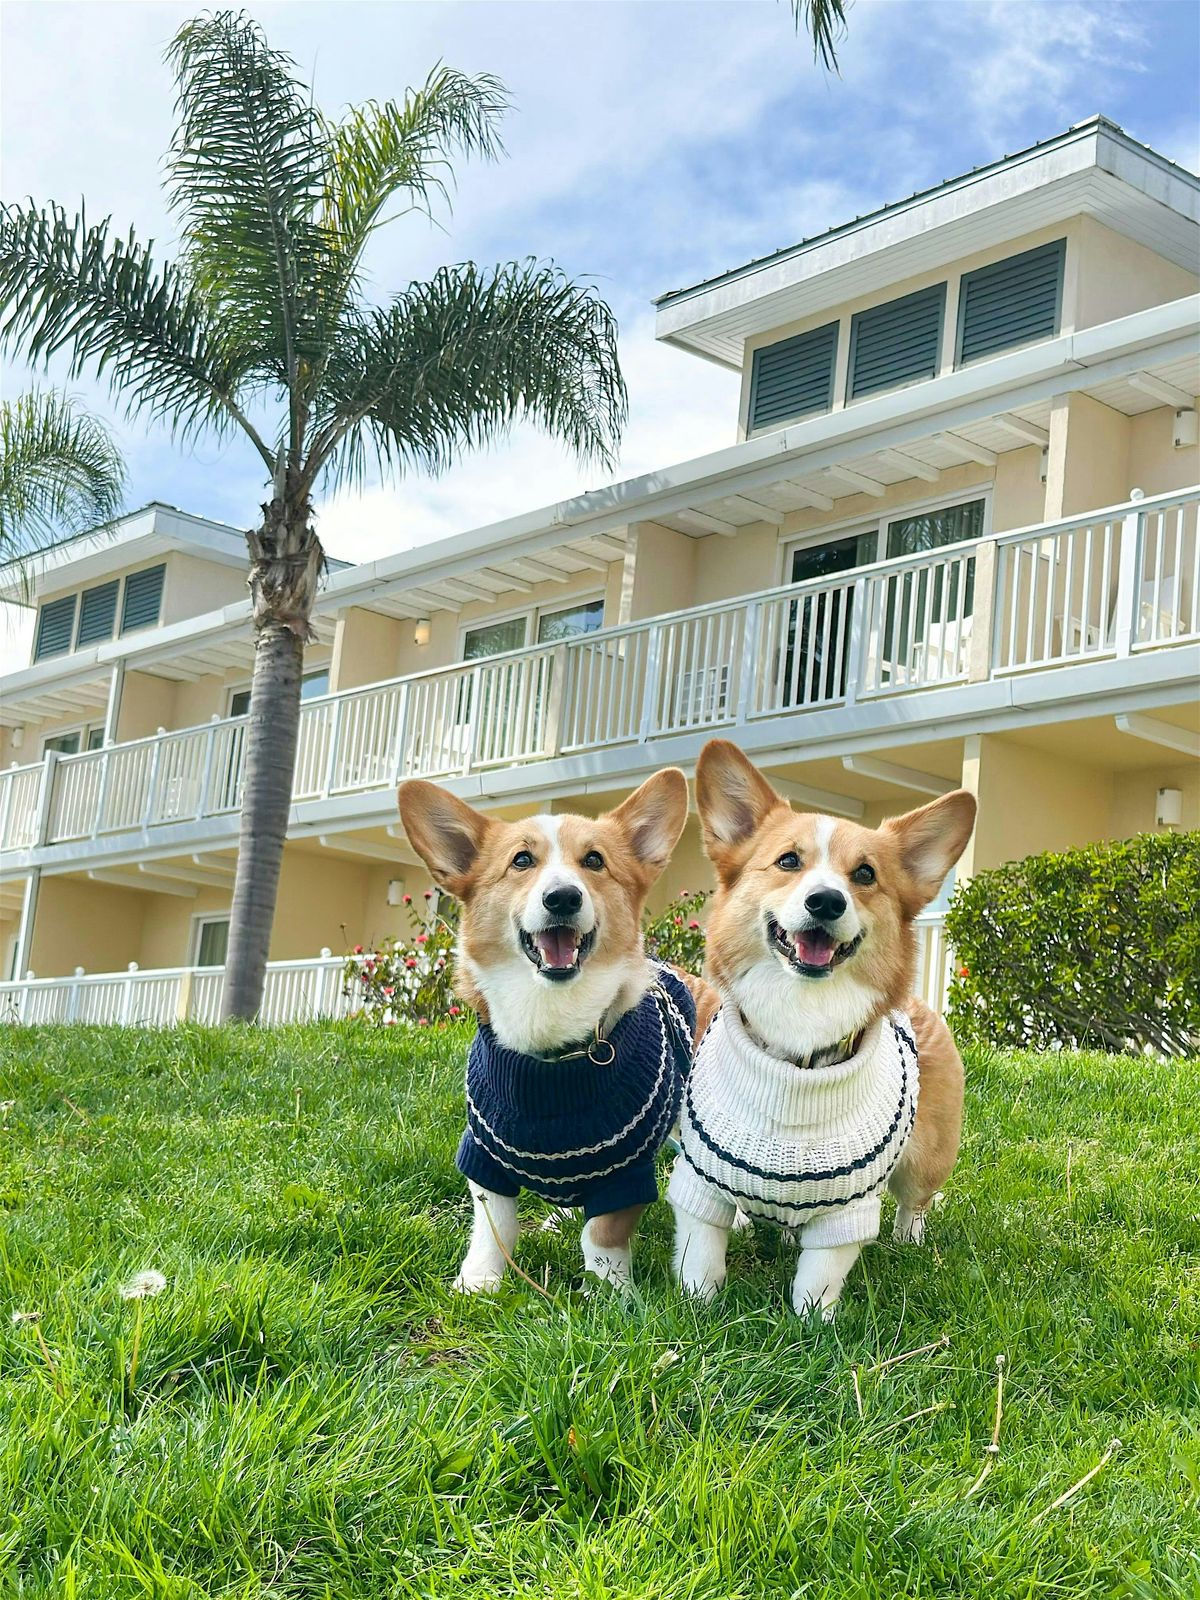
x=296 y=991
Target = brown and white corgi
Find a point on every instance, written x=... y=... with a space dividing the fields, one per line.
x=803 y=1099
x=574 y=1077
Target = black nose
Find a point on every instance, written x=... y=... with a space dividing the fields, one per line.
x=563 y=902
x=827 y=904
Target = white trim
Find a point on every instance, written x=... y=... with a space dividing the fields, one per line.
x=83 y=729
x=830 y=532
x=533 y=616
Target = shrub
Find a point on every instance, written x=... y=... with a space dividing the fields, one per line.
x=408 y=980
x=411 y=980
x=1096 y=948
x=675 y=935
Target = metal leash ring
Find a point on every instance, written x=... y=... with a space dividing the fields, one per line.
x=597 y=1045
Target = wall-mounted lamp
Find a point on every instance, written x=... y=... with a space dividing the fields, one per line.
x=1168 y=813
x=421 y=632
x=1186 y=430
x=395 y=894
x=17 y=738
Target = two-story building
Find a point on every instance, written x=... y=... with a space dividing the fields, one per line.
x=953 y=541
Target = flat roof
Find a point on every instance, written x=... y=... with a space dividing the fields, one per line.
x=1094 y=166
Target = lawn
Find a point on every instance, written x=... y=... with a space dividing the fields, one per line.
x=313 y=1413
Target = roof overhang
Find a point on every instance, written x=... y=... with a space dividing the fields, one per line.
x=1093 y=169
x=154 y=530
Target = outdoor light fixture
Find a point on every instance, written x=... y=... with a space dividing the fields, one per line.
x=421 y=631
x=18 y=737
x=1186 y=432
x=1169 y=810
x=395 y=894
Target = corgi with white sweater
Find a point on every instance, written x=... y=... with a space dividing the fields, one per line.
x=818 y=1080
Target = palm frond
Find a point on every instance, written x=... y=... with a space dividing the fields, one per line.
x=245 y=176
x=825 y=22
x=378 y=150
x=456 y=361
x=60 y=472
x=68 y=286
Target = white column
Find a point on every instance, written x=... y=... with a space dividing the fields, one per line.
x=112 y=714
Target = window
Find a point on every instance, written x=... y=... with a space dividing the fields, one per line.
x=97 y=614
x=494 y=638
x=143 y=599
x=933 y=529
x=56 y=625
x=570 y=622
x=210 y=941
x=63 y=744
x=793 y=378
x=312 y=683
x=896 y=343
x=1011 y=302
x=818 y=630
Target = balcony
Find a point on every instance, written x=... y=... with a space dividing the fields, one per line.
x=1107 y=587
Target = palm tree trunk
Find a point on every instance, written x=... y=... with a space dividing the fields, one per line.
x=286 y=560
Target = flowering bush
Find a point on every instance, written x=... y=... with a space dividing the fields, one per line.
x=408 y=980
x=675 y=935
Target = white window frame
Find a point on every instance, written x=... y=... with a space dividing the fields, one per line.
x=233 y=689
x=200 y=920
x=833 y=531
x=532 y=616
x=83 y=729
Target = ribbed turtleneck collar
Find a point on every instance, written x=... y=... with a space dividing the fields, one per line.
x=787 y=1094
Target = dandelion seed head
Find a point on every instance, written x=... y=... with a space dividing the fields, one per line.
x=20 y=1318
x=143 y=1284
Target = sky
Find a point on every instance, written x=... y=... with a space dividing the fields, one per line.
x=650 y=145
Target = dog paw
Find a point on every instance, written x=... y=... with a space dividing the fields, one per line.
x=477 y=1281
x=909 y=1227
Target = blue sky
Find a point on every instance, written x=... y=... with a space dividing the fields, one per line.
x=651 y=145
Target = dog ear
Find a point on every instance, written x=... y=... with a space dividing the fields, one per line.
x=732 y=797
x=931 y=839
x=653 y=817
x=445 y=832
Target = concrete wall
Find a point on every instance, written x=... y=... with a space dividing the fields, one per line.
x=1117 y=276
x=82 y=924
x=1030 y=800
x=1134 y=796
x=194 y=586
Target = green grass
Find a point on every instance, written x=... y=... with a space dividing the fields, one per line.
x=315 y=1414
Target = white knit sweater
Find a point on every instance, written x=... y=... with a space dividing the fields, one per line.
x=809 y=1147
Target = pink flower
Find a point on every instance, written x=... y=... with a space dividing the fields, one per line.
x=408 y=899
x=358 y=950
x=422 y=937
x=422 y=1022
x=679 y=922
x=455 y=1012
x=693 y=924
x=429 y=894
x=388 y=990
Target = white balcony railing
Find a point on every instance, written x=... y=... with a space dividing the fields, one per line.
x=1107 y=584
x=295 y=991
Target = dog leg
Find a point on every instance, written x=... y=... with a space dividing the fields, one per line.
x=699 y=1255
x=820 y=1275
x=607 y=1247
x=909 y=1226
x=484 y=1263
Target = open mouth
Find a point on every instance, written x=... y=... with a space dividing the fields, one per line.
x=812 y=952
x=558 y=952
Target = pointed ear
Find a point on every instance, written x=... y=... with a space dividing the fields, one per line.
x=931 y=840
x=732 y=797
x=653 y=818
x=445 y=832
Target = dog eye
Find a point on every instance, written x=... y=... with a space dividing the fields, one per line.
x=789 y=861
x=863 y=874
x=522 y=860
x=593 y=861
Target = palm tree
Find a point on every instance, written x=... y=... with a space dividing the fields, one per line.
x=261 y=326
x=60 y=472
x=825 y=21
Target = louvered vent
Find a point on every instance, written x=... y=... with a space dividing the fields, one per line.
x=898 y=342
x=97 y=613
x=1011 y=302
x=793 y=378
x=56 y=624
x=143 y=596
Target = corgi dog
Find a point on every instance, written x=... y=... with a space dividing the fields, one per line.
x=574 y=1077
x=803 y=1100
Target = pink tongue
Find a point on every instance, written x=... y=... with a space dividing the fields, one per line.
x=557 y=946
x=815 y=948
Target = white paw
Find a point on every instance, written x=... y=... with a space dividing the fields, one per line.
x=741 y=1222
x=703 y=1289
x=477 y=1280
x=804 y=1306
x=909 y=1226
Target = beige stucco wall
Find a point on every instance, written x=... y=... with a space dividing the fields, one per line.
x=1134 y=796
x=660 y=570
x=147 y=704
x=1154 y=464
x=96 y=926
x=1030 y=800
x=1117 y=276
x=194 y=586
x=1088 y=464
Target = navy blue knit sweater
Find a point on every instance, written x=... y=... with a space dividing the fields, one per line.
x=573 y=1131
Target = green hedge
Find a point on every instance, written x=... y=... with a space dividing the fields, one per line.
x=1097 y=948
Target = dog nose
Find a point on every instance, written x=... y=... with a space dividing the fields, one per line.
x=564 y=901
x=827 y=904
